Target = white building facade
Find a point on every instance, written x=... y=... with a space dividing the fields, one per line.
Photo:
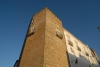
x=80 y=55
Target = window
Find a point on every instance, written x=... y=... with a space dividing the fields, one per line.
x=92 y=54
x=70 y=43
x=32 y=29
x=87 y=54
x=58 y=34
x=78 y=48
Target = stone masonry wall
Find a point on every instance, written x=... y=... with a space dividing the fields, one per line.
x=33 y=50
x=44 y=48
x=54 y=48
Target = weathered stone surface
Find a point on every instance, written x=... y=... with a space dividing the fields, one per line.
x=33 y=50
x=44 y=48
x=54 y=48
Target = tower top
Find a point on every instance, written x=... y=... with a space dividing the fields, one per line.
x=46 y=7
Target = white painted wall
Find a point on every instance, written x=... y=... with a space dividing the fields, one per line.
x=73 y=53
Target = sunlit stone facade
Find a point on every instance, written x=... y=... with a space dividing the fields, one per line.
x=80 y=55
x=48 y=44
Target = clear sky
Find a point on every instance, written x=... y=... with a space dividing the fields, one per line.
x=80 y=17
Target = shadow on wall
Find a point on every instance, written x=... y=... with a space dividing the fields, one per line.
x=80 y=61
x=73 y=61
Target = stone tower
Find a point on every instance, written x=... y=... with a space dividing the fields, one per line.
x=44 y=44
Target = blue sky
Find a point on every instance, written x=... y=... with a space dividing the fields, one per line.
x=80 y=17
